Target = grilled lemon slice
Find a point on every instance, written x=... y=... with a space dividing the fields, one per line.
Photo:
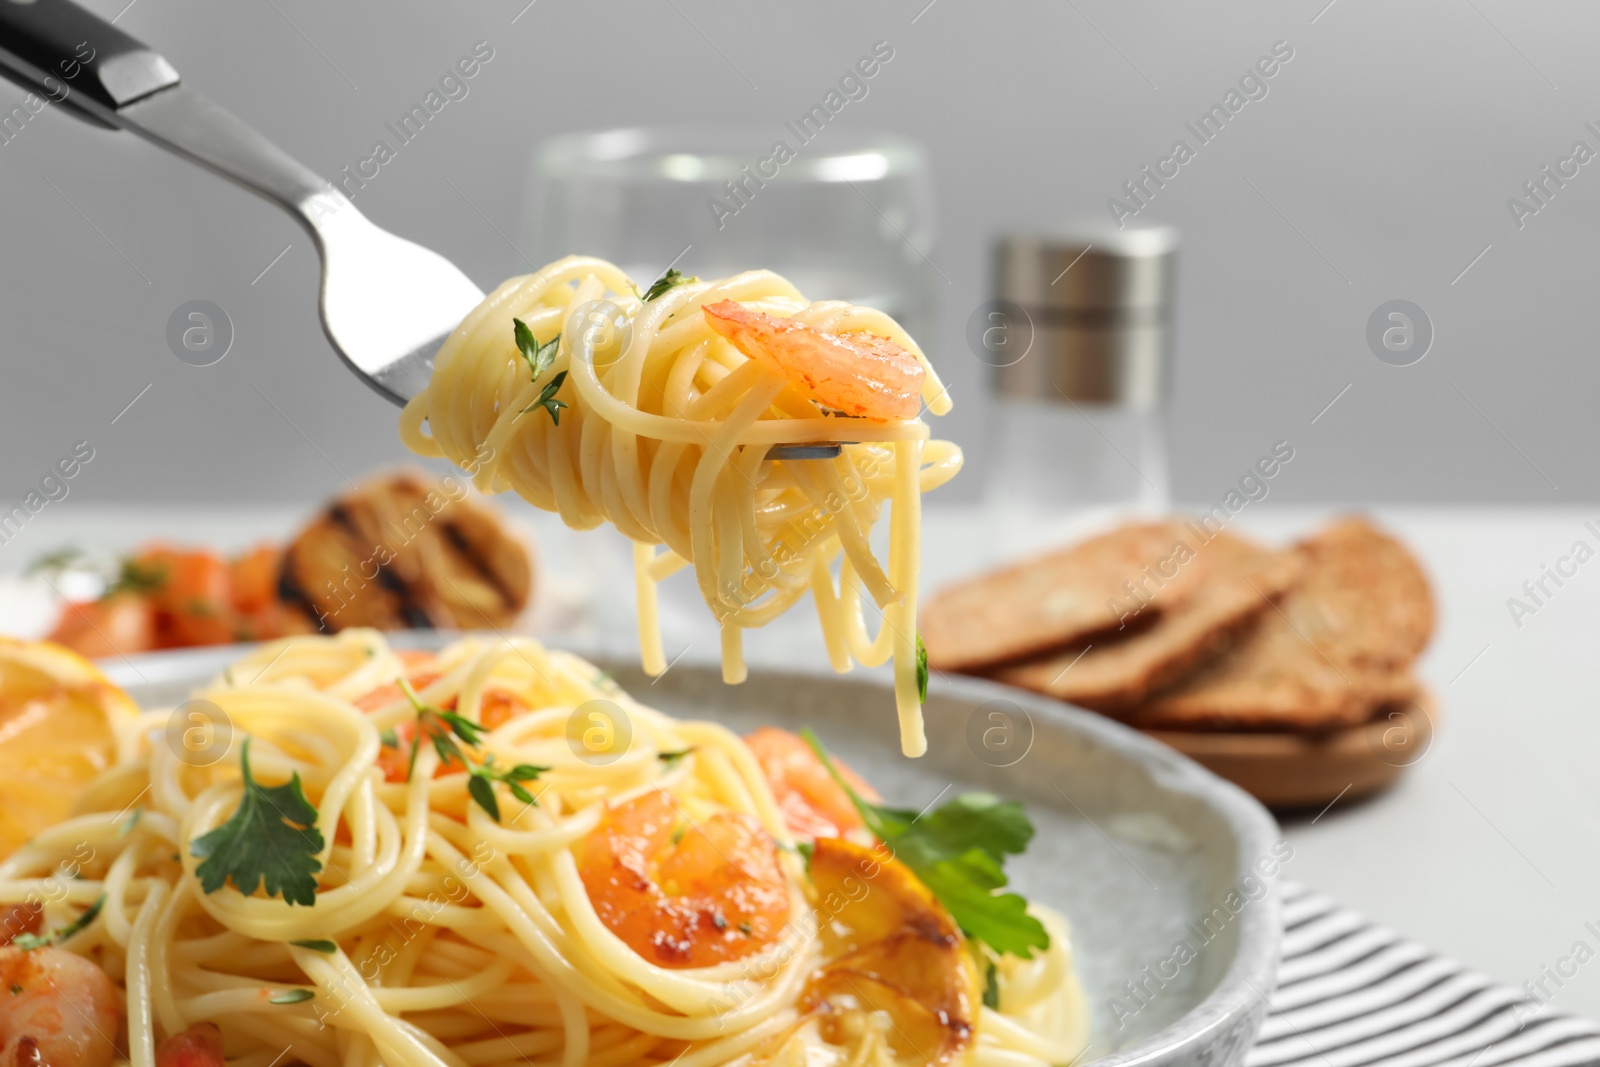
x=61 y=723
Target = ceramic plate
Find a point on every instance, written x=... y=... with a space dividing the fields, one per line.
x=1164 y=871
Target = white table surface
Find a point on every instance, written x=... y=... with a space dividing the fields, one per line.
x=1489 y=847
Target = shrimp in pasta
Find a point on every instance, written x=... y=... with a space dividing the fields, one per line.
x=355 y=884
x=681 y=892
x=56 y=1010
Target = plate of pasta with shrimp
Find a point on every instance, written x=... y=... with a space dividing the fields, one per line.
x=474 y=850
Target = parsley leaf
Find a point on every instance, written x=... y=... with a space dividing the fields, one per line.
x=538 y=356
x=272 y=840
x=128 y=825
x=440 y=725
x=136 y=577
x=670 y=760
x=463 y=727
x=29 y=942
x=116 y=576
x=957 y=850
x=991 y=987
x=547 y=399
x=291 y=996
x=670 y=280
x=922 y=670
x=481 y=784
x=318 y=946
x=53 y=564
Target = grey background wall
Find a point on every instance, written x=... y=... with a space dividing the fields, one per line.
x=1378 y=166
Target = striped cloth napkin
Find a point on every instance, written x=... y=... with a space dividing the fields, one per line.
x=1352 y=994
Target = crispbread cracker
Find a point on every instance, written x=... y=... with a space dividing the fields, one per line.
x=1373 y=592
x=1055 y=600
x=1235 y=583
x=1337 y=647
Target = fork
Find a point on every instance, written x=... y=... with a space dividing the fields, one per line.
x=386 y=303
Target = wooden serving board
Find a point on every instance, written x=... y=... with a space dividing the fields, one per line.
x=1285 y=770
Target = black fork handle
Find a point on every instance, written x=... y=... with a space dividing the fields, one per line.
x=77 y=59
x=96 y=72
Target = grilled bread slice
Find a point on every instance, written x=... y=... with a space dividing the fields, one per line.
x=405 y=551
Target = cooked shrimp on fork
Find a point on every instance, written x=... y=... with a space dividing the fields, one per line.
x=858 y=374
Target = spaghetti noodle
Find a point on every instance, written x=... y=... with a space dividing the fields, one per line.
x=665 y=435
x=439 y=936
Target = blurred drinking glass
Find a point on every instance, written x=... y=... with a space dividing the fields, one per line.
x=843 y=214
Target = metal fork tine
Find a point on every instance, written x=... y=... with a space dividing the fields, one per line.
x=812 y=450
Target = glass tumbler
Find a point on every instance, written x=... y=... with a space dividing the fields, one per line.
x=843 y=214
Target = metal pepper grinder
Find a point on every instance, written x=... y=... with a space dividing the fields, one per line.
x=1080 y=338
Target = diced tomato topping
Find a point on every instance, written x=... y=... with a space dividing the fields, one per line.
x=387 y=694
x=198 y=1046
x=395 y=761
x=499 y=708
x=254 y=579
x=120 y=625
